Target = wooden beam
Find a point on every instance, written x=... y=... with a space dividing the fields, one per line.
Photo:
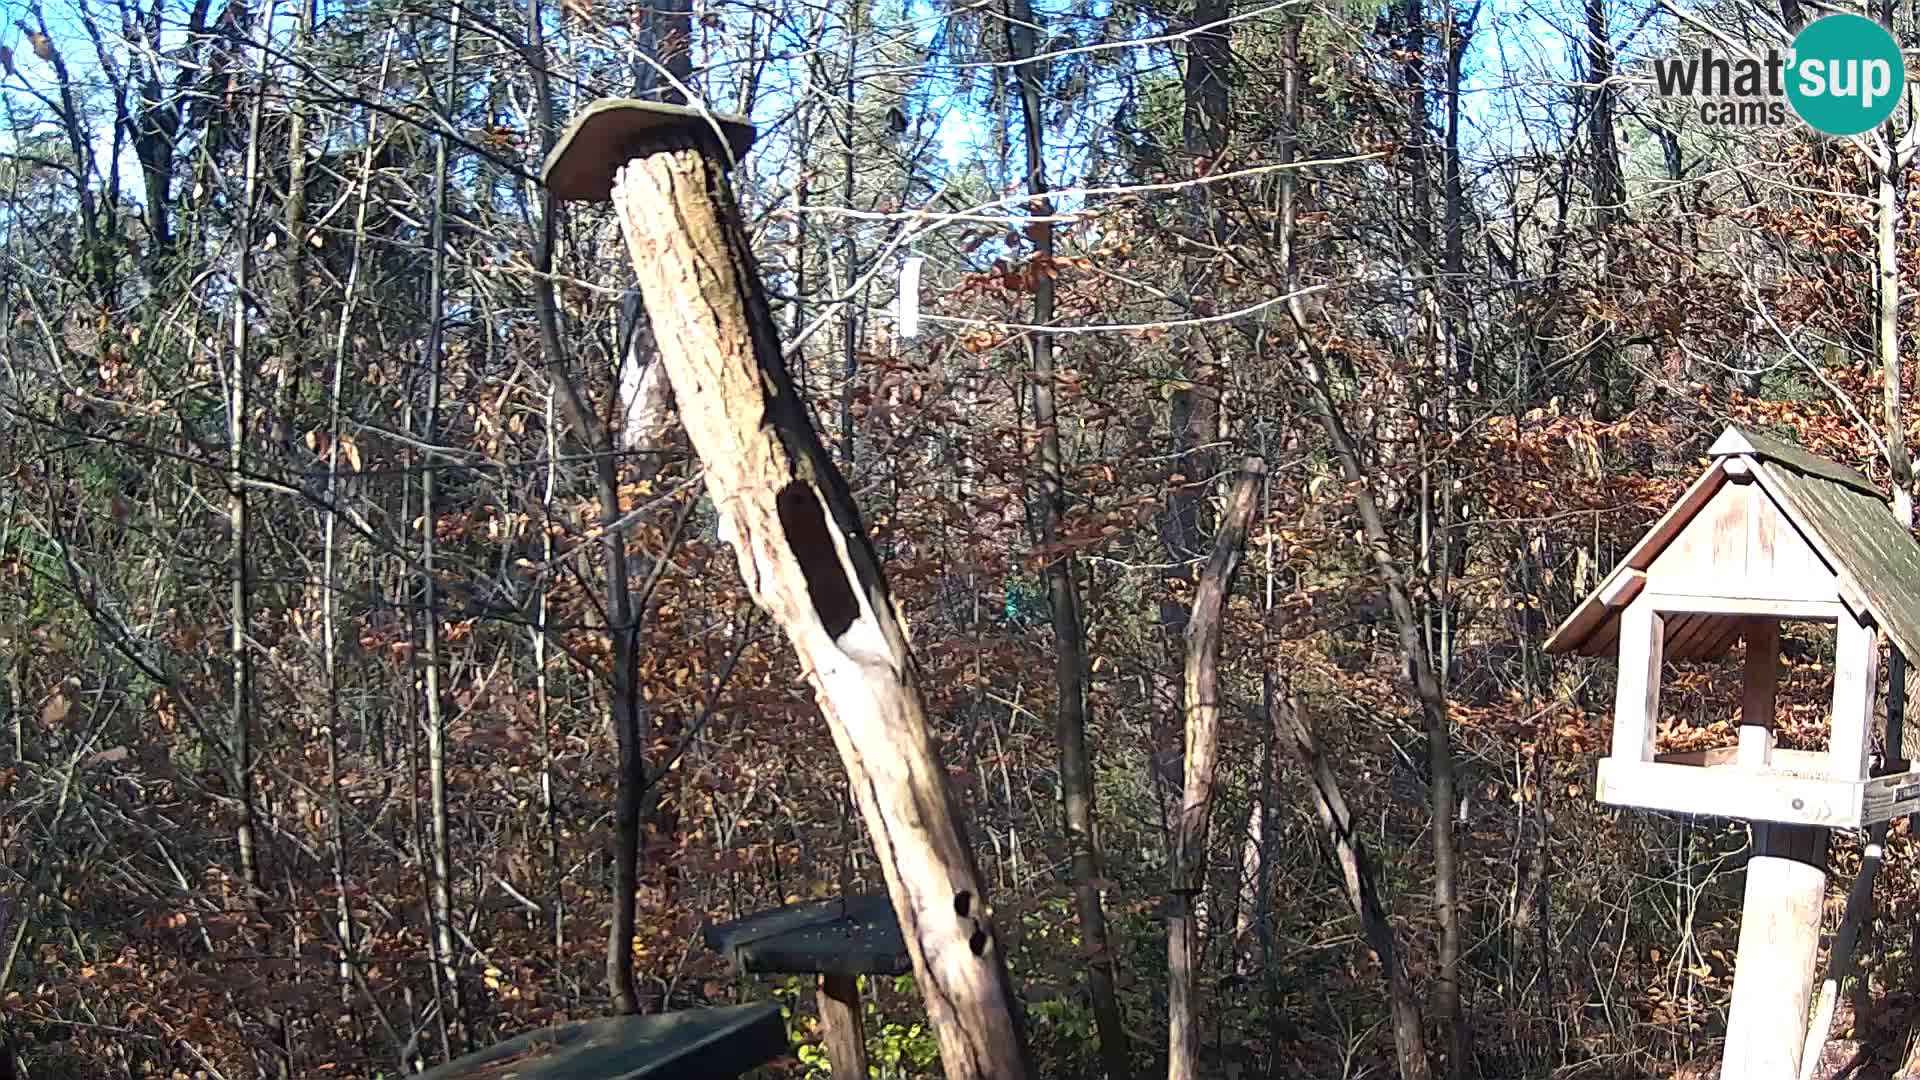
x=1779 y=943
x=1636 y=699
x=844 y=1028
x=1856 y=676
x=1620 y=591
x=1804 y=610
x=1731 y=792
x=1759 y=685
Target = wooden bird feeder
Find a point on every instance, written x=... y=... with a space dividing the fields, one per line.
x=1769 y=534
x=837 y=940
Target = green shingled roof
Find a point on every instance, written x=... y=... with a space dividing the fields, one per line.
x=1849 y=522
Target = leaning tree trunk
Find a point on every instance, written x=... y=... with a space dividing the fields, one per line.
x=1361 y=884
x=804 y=554
x=1202 y=760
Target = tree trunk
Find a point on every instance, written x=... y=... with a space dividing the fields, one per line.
x=1613 y=394
x=1069 y=636
x=625 y=709
x=1202 y=759
x=240 y=586
x=1358 y=879
x=804 y=554
x=440 y=909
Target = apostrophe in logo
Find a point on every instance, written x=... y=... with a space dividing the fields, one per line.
x=1846 y=74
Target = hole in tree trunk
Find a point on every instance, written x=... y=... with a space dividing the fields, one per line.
x=805 y=525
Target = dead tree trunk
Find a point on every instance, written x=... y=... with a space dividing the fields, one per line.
x=1356 y=875
x=1202 y=758
x=802 y=548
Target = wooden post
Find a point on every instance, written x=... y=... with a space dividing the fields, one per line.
x=1636 y=698
x=1856 y=677
x=1759 y=686
x=845 y=1028
x=1779 y=944
x=802 y=548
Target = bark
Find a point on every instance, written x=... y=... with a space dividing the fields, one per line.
x=1070 y=645
x=1613 y=394
x=300 y=328
x=1193 y=409
x=1887 y=280
x=1202 y=760
x=804 y=554
x=1358 y=880
x=838 y=997
x=850 y=326
x=240 y=586
x=441 y=907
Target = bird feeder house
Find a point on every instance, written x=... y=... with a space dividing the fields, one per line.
x=1769 y=534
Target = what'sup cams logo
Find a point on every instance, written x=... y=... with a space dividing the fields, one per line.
x=1843 y=76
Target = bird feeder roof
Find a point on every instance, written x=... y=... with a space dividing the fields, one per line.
x=859 y=935
x=608 y=133
x=1841 y=523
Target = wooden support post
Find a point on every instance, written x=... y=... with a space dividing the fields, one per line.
x=1759 y=686
x=1779 y=944
x=1856 y=677
x=845 y=1027
x=1636 y=699
x=802 y=549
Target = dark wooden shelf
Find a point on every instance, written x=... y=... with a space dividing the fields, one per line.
x=856 y=936
x=722 y=1042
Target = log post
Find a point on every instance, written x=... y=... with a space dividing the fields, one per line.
x=802 y=548
x=1779 y=944
x=845 y=1029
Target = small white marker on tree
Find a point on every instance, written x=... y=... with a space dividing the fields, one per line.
x=909 y=296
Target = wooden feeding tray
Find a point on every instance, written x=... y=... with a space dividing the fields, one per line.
x=1795 y=788
x=722 y=1042
x=1768 y=534
x=857 y=935
x=835 y=940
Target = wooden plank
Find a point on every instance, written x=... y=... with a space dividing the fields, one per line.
x=1760 y=680
x=1887 y=797
x=722 y=1042
x=853 y=935
x=1620 y=591
x=1737 y=440
x=1727 y=632
x=1730 y=792
x=845 y=1029
x=1856 y=676
x=1636 y=700
x=1572 y=635
x=1687 y=635
x=1806 y=610
x=1779 y=944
